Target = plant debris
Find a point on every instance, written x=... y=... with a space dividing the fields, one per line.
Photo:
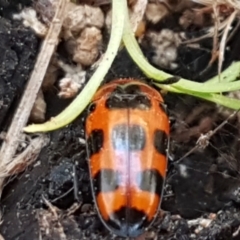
x=10 y=143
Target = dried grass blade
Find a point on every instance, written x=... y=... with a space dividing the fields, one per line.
x=22 y=113
x=25 y=158
x=224 y=40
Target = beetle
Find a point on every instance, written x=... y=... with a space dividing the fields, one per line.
x=127 y=133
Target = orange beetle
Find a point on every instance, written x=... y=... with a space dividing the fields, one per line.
x=127 y=133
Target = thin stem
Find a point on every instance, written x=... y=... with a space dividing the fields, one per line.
x=83 y=99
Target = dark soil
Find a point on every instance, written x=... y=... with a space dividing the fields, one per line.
x=18 y=49
x=204 y=182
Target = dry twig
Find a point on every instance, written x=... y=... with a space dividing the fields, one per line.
x=224 y=41
x=203 y=140
x=22 y=160
x=231 y=3
x=228 y=10
x=25 y=158
x=21 y=116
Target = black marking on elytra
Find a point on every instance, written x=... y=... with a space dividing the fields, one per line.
x=106 y=180
x=150 y=180
x=95 y=141
x=92 y=107
x=163 y=107
x=160 y=141
x=128 y=137
x=137 y=137
x=119 y=137
x=128 y=222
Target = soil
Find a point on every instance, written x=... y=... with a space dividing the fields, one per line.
x=204 y=185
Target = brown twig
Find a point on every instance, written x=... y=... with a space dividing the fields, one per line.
x=25 y=158
x=224 y=41
x=21 y=116
x=229 y=3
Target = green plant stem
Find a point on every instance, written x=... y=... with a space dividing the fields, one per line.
x=229 y=75
x=216 y=98
x=83 y=99
x=189 y=86
x=136 y=53
x=205 y=91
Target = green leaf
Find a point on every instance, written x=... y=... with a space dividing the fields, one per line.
x=216 y=98
x=229 y=75
x=189 y=86
x=137 y=55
